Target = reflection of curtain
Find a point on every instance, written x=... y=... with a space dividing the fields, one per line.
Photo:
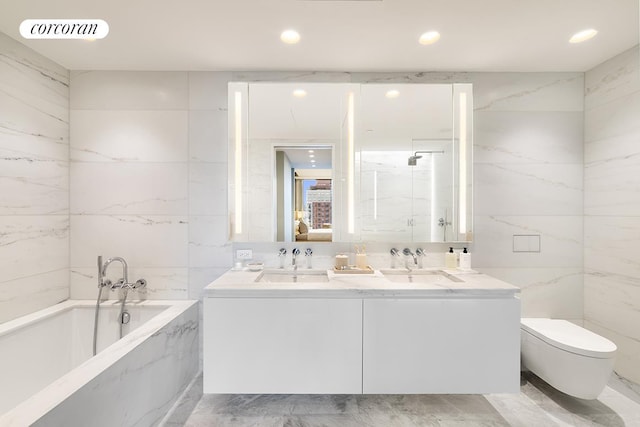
x=298 y=196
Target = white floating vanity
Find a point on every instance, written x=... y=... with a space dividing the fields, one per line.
x=317 y=332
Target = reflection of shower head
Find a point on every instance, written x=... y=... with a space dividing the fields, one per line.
x=413 y=160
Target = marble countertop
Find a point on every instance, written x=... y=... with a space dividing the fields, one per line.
x=432 y=283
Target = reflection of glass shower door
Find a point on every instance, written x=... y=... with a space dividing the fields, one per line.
x=385 y=196
x=432 y=191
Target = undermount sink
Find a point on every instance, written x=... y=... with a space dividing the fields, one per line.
x=420 y=276
x=289 y=276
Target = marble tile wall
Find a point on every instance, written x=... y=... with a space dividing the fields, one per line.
x=129 y=179
x=612 y=206
x=34 y=181
x=149 y=167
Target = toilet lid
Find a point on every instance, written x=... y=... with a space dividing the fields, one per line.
x=567 y=336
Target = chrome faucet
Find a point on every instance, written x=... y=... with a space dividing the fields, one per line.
x=295 y=252
x=407 y=252
x=123 y=282
x=394 y=256
x=307 y=253
x=421 y=254
x=103 y=272
x=281 y=253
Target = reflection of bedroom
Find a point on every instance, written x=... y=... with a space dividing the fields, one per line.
x=304 y=194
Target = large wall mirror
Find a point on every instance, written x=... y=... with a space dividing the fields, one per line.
x=337 y=162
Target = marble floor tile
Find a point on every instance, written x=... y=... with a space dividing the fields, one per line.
x=537 y=405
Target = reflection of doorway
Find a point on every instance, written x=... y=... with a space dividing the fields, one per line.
x=304 y=193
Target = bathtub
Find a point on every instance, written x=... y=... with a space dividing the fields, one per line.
x=49 y=377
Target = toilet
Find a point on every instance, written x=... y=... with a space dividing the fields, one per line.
x=571 y=359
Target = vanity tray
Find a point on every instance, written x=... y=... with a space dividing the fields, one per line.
x=352 y=269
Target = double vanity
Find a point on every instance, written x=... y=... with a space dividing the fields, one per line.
x=388 y=332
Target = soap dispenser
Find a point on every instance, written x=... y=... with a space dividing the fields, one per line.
x=450 y=259
x=465 y=260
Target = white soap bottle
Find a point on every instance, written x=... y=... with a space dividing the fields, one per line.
x=450 y=259
x=465 y=260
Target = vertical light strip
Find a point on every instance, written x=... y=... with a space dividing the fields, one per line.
x=433 y=198
x=463 y=164
x=238 y=162
x=375 y=194
x=350 y=166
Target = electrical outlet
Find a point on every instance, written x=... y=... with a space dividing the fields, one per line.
x=244 y=254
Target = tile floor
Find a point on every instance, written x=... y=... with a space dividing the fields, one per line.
x=537 y=405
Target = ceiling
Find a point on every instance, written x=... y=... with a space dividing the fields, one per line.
x=477 y=35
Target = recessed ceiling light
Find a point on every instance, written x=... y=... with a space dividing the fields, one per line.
x=584 y=35
x=429 y=37
x=290 y=37
x=313 y=166
x=311 y=151
x=392 y=94
x=299 y=93
x=311 y=155
x=313 y=161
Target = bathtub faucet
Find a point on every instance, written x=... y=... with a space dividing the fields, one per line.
x=123 y=282
x=103 y=272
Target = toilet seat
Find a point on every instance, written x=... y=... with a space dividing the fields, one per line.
x=569 y=337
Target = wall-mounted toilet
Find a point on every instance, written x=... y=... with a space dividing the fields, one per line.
x=571 y=359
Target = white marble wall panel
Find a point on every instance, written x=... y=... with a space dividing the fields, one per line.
x=528 y=189
x=609 y=164
x=209 y=244
x=528 y=91
x=613 y=79
x=208 y=140
x=208 y=189
x=31 y=248
x=34 y=187
x=613 y=302
x=616 y=118
x=209 y=248
x=612 y=207
x=611 y=244
x=502 y=91
x=27 y=294
x=291 y=76
x=546 y=291
x=129 y=136
x=208 y=90
x=561 y=241
x=34 y=175
x=129 y=90
x=528 y=137
x=528 y=179
x=124 y=188
x=130 y=177
x=32 y=244
x=144 y=241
